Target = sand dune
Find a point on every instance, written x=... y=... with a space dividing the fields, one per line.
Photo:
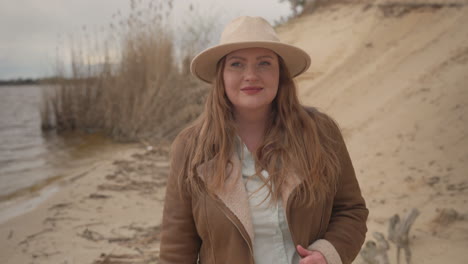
x=395 y=77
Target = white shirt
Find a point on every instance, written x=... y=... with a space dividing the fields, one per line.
x=272 y=242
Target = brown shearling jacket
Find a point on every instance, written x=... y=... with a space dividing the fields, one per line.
x=219 y=230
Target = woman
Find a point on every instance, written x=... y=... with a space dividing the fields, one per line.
x=258 y=178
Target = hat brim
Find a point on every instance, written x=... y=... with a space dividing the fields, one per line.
x=203 y=66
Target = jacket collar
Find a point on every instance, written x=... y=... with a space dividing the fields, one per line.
x=234 y=194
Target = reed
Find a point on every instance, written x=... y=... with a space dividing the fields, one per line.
x=132 y=85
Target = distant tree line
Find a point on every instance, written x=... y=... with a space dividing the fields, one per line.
x=46 y=80
x=20 y=81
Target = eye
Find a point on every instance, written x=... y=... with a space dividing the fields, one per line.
x=236 y=64
x=265 y=63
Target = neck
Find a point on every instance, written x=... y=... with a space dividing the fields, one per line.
x=251 y=126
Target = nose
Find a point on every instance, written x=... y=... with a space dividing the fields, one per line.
x=250 y=74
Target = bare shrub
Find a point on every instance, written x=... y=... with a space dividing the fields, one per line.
x=131 y=85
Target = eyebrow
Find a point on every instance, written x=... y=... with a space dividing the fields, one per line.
x=242 y=58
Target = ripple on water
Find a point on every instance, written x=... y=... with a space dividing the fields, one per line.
x=29 y=158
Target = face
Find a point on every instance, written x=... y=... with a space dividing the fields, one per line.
x=251 y=78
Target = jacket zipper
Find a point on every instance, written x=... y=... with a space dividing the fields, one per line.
x=240 y=231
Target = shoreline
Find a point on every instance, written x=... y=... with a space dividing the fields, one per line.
x=18 y=206
x=24 y=199
x=104 y=211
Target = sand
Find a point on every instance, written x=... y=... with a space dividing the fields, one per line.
x=396 y=80
x=106 y=213
x=394 y=76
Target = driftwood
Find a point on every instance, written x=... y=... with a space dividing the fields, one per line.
x=398 y=233
x=376 y=252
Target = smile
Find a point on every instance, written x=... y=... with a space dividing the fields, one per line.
x=251 y=89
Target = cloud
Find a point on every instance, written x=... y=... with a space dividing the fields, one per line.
x=32 y=31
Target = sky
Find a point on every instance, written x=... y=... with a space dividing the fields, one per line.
x=33 y=32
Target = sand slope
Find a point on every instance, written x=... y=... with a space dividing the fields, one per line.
x=395 y=77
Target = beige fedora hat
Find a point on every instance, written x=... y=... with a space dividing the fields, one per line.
x=248 y=32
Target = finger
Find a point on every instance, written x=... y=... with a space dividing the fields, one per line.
x=302 y=251
x=314 y=258
x=306 y=260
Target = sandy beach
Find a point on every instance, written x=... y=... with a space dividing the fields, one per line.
x=108 y=213
x=394 y=76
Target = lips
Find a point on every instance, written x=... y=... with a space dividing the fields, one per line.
x=251 y=89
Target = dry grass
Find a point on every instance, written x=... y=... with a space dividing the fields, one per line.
x=130 y=86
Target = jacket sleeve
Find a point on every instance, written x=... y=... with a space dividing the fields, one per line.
x=347 y=227
x=180 y=242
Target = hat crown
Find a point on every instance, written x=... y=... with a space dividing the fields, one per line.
x=246 y=29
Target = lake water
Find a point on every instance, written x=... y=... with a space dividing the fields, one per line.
x=28 y=157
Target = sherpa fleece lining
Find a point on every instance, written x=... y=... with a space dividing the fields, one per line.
x=327 y=250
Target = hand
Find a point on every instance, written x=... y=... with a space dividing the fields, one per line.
x=310 y=256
